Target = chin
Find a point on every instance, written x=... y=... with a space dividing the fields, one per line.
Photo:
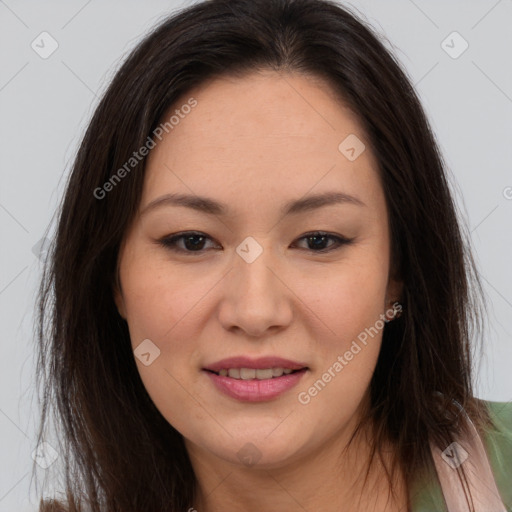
x=259 y=451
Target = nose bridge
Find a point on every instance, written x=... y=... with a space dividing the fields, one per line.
x=255 y=278
x=256 y=297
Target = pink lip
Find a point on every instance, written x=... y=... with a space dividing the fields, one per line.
x=261 y=362
x=255 y=390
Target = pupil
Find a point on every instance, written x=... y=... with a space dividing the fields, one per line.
x=323 y=237
x=194 y=245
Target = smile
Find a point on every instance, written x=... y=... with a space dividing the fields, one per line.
x=254 y=384
x=254 y=373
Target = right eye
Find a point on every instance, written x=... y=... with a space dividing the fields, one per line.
x=193 y=242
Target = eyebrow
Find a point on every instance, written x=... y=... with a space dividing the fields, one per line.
x=213 y=207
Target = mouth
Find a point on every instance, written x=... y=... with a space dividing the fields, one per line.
x=255 y=373
x=258 y=379
x=262 y=382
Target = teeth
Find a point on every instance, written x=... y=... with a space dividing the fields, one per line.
x=247 y=373
x=253 y=373
x=234 y=372
x=264 y=374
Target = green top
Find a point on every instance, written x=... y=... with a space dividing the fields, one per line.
x=427 y=495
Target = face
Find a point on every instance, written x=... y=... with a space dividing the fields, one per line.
x=257 y=278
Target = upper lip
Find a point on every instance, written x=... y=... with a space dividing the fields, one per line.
x=261 y=362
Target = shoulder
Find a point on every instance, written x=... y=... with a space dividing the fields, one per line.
x=499 y=436
x=498 y=442
x=426 y=493
x=502 y=413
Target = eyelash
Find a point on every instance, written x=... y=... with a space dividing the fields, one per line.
x=169 y=242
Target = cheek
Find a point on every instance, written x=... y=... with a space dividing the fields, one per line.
x=349 y=302
x=160 y=308
x=167 y=308
x=157 y=301
x=349 y=297
x=350 y=310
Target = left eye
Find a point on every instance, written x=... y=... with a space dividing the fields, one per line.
x=317 y=240
x=194 y=242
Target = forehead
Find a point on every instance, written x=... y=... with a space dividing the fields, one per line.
x=262 y=134
x=267 y=105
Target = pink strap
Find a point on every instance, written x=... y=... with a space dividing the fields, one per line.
x=467 y=451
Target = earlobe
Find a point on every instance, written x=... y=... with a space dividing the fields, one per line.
x=394 y=296
x=394 y=291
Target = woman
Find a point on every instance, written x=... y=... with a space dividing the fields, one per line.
x=263 y=298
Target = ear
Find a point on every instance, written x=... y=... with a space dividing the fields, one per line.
x=118 y=297
x=393 y=294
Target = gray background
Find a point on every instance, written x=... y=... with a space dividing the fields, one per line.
x=45 y=105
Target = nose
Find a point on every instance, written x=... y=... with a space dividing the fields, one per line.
x=255 y=297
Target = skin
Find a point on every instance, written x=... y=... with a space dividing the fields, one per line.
x=255 y=143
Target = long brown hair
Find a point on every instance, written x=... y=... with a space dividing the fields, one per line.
x=120 y=453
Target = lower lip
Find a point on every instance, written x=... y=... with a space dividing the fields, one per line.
x=256 y=390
